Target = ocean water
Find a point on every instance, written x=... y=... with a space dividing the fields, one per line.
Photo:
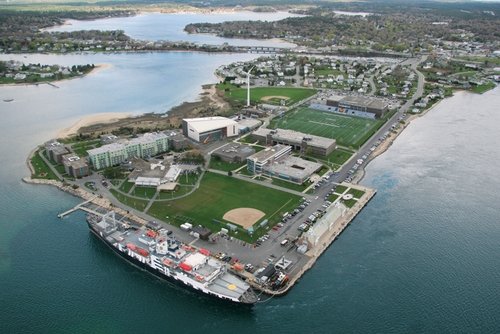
x=162 y=26
x=422 y=257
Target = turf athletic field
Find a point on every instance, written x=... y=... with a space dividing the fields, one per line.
x=348 y=131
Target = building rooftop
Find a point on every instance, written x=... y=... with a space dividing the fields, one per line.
x=249 y=123
x=147 y=181
x=107 y=148
x=121 y=144
x=269 y=152
x=363 y=101
x=234 y=150
x=175 y=135
x=334 y=97
x=296 y=137
x=148 y=138
x=204 y=124
x=74 y=161
x=294 y=167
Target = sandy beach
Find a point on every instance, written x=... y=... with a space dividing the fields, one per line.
x=100 y=67
x=103 y=118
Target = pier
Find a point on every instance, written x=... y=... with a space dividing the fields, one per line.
x=99 y=206
x=82 y=207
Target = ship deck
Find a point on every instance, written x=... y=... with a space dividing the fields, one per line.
x=229 y=285
x=224 y=283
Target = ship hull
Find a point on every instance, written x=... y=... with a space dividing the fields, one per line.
x=143 y=266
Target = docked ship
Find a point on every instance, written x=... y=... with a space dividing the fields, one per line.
x=161 y=254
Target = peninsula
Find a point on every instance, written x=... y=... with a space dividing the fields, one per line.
x=261 y=175
x=267 y=189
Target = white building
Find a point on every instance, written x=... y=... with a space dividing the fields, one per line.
x=144 y=146
x=209 y=129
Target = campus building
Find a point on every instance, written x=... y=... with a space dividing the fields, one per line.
x=307 y=144
x=55 y=151
x=209 y=129
x=234 y=153
x=256 y=162
x=144 y=146
x=75 y=166
x=277 y=162
x=362 y=106
x=177 y=141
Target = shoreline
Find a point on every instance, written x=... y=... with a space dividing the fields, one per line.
x=314 y=253
x=381 y=149
x=204 y=102
x=94 y=119
x=97 y=68
x=186 y=10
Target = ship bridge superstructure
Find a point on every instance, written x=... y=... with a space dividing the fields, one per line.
x=161 y=251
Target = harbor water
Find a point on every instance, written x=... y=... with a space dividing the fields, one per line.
x=422 y=257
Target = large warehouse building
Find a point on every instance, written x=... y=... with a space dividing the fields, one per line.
x=361 y=106
x=209 y=129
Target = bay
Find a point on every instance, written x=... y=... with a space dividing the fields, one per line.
x=422 y=257
x=170 y=27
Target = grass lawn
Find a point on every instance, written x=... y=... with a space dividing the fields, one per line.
x=146 y=192
x=223 y=166
x=126 y=186
x=245 y=171
x=60 y=169
x=180 y=190
x=116 y=182
x=137 y=204
x=480 y=89
x=81 y=148
x=42 y=170
x=340 y=189
x=350 y=203
x=356 y=193
x=328 y=71
x=348 y=131
x=289 y=185
x=338 y=157
x=188 y=179
x=247 y=140
x=333 y=197
x=322 y=170
x=257 y=93
x=217 y=195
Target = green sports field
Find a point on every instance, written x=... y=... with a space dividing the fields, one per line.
x=217 y=195
x=270 y=95
x=348 y=131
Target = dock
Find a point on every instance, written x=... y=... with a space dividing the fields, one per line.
x=80 y=206
x=325 y=241
x=99 y=206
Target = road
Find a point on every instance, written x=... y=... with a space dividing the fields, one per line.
x=272 y=248
x=343 y=173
